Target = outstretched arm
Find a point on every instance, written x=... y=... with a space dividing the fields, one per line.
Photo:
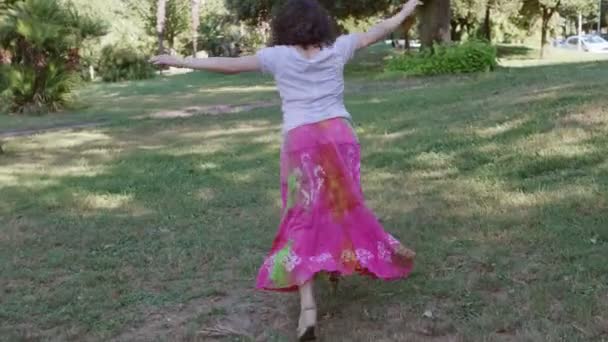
x=223 y=65
x=381 y=30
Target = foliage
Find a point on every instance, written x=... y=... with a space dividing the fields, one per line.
x=435 y=15
x=118 y=63
x=220 y=35
x=468 y=57
x=126 y=28
x=488 y=19
x=256 y=12
x=56 y=93
x=42 y=38
x=177 y=18
x=467 y=15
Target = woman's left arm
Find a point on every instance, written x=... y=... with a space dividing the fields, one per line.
x=222 y=65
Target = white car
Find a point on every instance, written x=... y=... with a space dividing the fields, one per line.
x=594 y=44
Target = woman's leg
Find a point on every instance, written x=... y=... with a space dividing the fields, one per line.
x=308 y=312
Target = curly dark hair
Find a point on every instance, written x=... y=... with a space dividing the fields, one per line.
x=304 y=23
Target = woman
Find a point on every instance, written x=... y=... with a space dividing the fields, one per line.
x=326 y=226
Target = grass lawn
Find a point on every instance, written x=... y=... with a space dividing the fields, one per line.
x=153 y=229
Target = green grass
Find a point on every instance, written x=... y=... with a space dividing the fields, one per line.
x=153 y=229
x=193 y=93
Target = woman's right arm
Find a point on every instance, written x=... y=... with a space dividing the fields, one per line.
x=223 y=65
x=383 y=29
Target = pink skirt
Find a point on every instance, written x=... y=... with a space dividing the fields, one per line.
x=326 y=226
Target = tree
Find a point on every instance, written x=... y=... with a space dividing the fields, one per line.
x=161 y=17
x=435 y=19
x=487 y=19
x=166 y=19
x=466 y=16
x=588 y=9
x=195 y=16
x=545 y=10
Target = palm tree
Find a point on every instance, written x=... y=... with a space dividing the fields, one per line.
x=161 y=7
x=40 y=41
x=195 y=16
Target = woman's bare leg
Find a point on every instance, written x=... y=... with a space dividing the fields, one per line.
x=308 y=312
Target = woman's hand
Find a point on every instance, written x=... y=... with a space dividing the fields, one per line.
x=167 y=60
x=409 y=8
x=381 y=30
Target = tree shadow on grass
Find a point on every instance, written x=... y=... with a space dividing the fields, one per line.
x=514 y=52
x=148 y=229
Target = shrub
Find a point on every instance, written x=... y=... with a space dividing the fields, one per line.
x=39 y=45
x=57 y=92
x=471 y=56
x=123 y=63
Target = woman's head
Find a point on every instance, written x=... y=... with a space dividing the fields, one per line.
x=304 y=23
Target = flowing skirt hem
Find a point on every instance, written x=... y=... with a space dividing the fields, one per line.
x=341 y=273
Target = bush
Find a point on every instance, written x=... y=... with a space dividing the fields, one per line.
x=57 y=92
x=471 y=56
x=123 y=63
x=39 y=53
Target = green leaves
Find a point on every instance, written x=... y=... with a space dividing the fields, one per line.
x=123 y=63
x=256 y=11
x=43 y=38
x=472 y=56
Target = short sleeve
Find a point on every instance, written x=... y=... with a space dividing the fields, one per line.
x=346 y=46
x=268 y=58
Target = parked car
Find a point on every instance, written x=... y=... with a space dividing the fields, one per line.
x=594 y=44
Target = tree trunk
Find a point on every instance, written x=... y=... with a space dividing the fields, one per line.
x=161 y=9
x=543 y=35
x=407 y=26
x=171 y=41
x=195 y=16
x=546 y=15
x=487 y=22
x=458 y=29
x=435 y=21
x=454 y=31
x=580 y=31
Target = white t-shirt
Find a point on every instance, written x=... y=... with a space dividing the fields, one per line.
x=311 y=90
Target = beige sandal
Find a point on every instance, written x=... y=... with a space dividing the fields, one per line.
x=307 y=324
